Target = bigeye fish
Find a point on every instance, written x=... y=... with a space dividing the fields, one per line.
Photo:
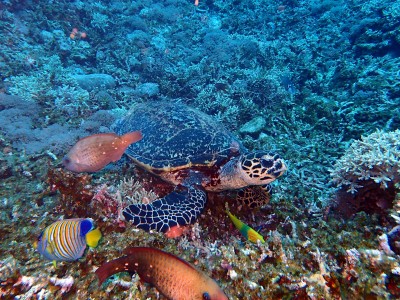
x=66 y=240
x=94 y=152
x=248 y=232
x=173 y=277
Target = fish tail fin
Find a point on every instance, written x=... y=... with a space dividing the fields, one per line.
x=112 y=267
x=132 y=137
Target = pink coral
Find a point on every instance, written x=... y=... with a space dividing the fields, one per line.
x=108 y=205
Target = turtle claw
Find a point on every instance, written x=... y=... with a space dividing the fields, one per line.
x=255 y=196
x=178 y=208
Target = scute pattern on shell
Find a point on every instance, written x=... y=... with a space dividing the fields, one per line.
x=176 y=136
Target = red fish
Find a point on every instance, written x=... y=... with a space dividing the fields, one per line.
x=173 y=277
x=94 y=152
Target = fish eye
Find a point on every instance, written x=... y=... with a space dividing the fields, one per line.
x=206 y=296
x=66 y=161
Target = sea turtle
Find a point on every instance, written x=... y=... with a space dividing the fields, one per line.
x=194 y=152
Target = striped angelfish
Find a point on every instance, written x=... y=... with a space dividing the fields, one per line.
x=66 y=240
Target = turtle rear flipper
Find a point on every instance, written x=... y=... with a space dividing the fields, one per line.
x=255 y=196
x=178 y=208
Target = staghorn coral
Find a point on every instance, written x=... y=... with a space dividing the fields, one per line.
x=367 y=173
x=134 y=192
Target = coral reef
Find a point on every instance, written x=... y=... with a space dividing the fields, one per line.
x=312 y=76
x=25 y=124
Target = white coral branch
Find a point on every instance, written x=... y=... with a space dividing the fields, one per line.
x=375 y=157
x=65 y=283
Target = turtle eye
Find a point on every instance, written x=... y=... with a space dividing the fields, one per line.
x=206 y=296
x=267 y=163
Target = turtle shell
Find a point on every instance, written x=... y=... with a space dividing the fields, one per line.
x=176 y=136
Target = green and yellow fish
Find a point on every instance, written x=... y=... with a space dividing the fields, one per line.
x=248 y=232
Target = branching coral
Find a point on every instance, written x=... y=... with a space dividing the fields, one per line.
x=134 y=192
x=369 y=170
x=108 y=201
x=375 y=157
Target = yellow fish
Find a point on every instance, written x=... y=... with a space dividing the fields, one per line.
x=248 y=232
x=66 y=240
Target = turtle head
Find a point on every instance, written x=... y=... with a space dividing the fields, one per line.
x=258 y=168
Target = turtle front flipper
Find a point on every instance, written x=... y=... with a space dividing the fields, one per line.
x=178 y=208
x=255 y=196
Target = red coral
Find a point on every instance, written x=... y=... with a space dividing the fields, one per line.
x=75 y=189
x=108 y=206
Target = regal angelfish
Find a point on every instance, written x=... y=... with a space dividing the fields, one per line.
x=66 y=240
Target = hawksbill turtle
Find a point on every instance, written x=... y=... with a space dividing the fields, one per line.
x=194 y=152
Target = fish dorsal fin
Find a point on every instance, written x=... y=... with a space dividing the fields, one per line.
x=134 y=250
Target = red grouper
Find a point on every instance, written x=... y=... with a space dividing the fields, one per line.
x=173 y=277
x=94 y=152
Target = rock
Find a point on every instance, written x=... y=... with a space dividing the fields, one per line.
x=5 y=170
x=91 y=82
x=393 y=239
x=148 y=89
x=46 y=37
x=8 y=268
x=254 y=125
